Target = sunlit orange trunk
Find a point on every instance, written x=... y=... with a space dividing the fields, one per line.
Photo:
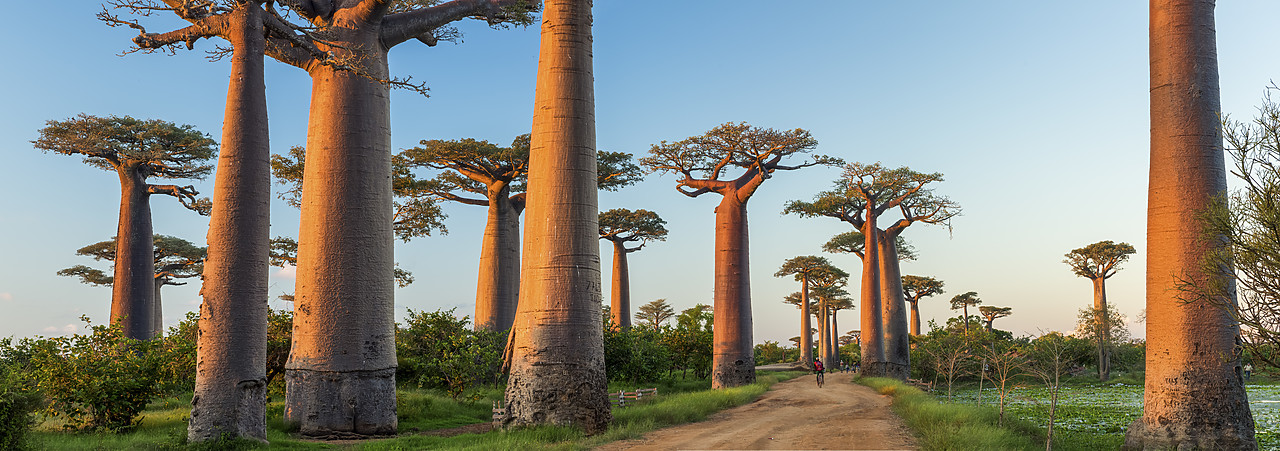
x=341 y=370
x=231 y=382
x=1194 y=396
x=733 y=356
x=915 y=317
x=897 y=344
x=133 y=293
x=872 y=326
x=557 y=363
x=835 y=340
x=620 y=289
x=498 y=285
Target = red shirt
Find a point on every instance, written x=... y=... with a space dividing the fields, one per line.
x=817 y=365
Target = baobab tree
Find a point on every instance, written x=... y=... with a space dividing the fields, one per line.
x=174 y=258
x=991 y=313
x=473 y=172
x=860 y=197
x=655 y=313
x=136 y=150
x=915 y=288
x=962 y=301
x=557 y=343
x=702 y=163
x=827 y=286
x=1194 y=394
x=621 y=226
x=1098 y=262
x=802 y=268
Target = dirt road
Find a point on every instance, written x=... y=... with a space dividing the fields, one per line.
x=795 y=414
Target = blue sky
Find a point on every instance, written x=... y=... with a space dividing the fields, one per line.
x=1036 y=112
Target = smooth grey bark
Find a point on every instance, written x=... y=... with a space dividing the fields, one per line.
x=620 y=289
x=231 y=384
x=133 y=292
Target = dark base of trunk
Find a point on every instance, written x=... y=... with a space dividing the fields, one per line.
x=1142 y=437
x=330 y=404
x=558 y=395
x=242 y=416
x=884 y=369
x=733 y=373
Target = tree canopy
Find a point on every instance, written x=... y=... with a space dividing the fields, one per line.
x=175 y=258
x=623 y=225
x=853 y=242
x=1098 y=260
x=917 y=287
x=964 y=300
x=991 y=313
x=655 y=313
x=873 y=187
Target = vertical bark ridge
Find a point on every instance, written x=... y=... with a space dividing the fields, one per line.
x=872 y=315
x=557 y=370
x=498 y=284
x=230 y=391
x=1194 y=395
x=806 y=337
x=897 y=344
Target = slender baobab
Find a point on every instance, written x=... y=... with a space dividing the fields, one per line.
x=136 y=150
x=1098 y=262
x=175 y=258
x=621 y=226
x=758 y=152
x=915 y=288
x=557 y=343
x=962 y=301
x=1194 y=395
x=802 y=268
x=827 y=285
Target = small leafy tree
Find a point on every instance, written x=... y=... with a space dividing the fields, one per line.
x=634 y=354
x=963 y=301
x=950 y=354
x=655 y=313
x=690 y=341
x=1050 y=356
x=991 y=313
x=1006 y=359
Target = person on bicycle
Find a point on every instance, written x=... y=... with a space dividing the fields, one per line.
x=818 y=370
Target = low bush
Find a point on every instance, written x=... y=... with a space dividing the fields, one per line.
x=17 y=403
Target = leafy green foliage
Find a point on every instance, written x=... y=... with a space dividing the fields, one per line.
x=754 y=150
x=16 y=406
x=919 y=287
x=852 y=242
x=621 y=225
x=991 y=313
x=690 y=342
x=635 y=355
x=175 y=258
x=439 y=350
x=770 y=352
x=101 y=380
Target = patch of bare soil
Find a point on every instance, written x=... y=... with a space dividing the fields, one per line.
x=795 y=414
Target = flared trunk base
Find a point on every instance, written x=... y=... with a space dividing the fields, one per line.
x=248 y=420
x=729 y=372
x=1171 y=437
x=334 y=404
x=885 y=369
x=563 y=396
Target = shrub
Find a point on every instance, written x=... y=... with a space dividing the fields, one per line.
x=635 y=354
x=102 y=380
x=16 y=405
x=439 y=350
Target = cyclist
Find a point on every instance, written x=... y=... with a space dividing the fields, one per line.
x=818 y=369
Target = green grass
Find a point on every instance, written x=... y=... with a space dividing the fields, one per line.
x=941 y=426
x=164 y=423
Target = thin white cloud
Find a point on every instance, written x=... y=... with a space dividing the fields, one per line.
x=288 y=272
x=6 y=297
x=67 y=329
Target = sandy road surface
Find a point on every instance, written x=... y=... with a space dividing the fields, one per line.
x=795 y=414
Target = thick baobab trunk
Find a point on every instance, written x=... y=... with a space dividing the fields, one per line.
x=498 y=287
x=341 y=371
x=915 y=318
x=806 y=337
x=821 y=318
x=230 y=397
x=133 y=292
x=897 y=344
x=557 y=364
x=1102 y=316
x=872 y=324
x=733 y=361
x=620 y=290
x=835 y=340
x=1194 y=396
x=157 y=316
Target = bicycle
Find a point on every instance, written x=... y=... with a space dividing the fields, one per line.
x=820 y=378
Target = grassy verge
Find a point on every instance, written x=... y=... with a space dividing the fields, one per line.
x=164 y=424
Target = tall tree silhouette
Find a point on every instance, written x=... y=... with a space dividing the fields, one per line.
x=621 y=226
x=1098 y=262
